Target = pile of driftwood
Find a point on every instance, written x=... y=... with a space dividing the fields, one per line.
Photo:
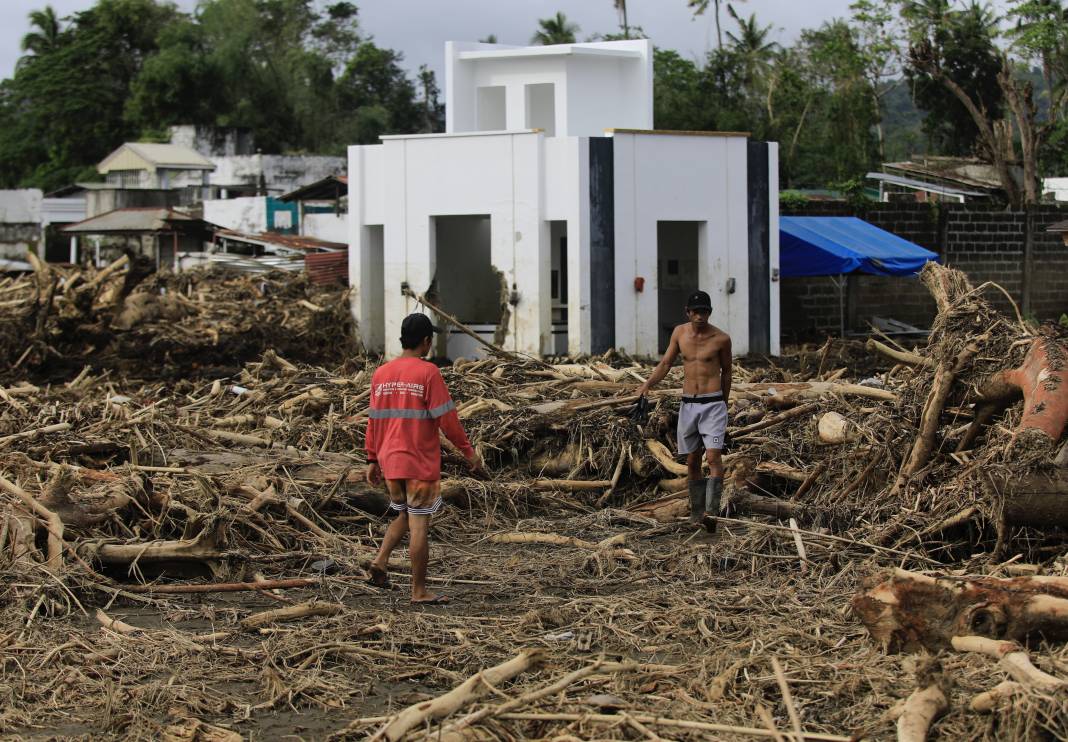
x=130 y=319
x=120 y=494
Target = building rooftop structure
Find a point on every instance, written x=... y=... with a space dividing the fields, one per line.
x=152 y=156
x=564 y=89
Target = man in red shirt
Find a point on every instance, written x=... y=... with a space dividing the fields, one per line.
x=409 y=405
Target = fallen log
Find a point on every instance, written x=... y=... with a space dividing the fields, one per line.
x=223 y=587
x=774 y=420
x=925 y=705
x=52 y=522
x=1042 y=381
x=290 y=613
x=470 y=690
x=1012 y=658
x=899 y=356
x=204 y=547
x=924 y=443
x=1001 y=693
x=905 y=610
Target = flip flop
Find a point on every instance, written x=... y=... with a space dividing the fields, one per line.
x=436 y=600
x=379 y=578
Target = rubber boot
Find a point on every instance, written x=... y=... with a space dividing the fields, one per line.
x=697 y=500
x=713 y=491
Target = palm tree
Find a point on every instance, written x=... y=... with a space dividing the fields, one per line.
x=555 y=30
x=46 y=36
x=752 y=45
x=621 y=7
x=700 y=6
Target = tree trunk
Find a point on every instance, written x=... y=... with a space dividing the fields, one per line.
x=907 y=610
x=1042 y=380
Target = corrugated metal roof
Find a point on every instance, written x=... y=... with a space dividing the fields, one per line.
x=328 y=267
x=244 y=264
x=151 y=219
x=151 y=156
x=922 y=185
x=967 y=172
x=330 y=187
x=291 y=241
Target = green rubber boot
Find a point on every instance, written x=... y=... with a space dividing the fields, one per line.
x=697 y=499
x=713 y=492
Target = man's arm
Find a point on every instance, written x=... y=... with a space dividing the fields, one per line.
x=664 y=366
x=373 y=473
x=441 y=408
x=725 y=361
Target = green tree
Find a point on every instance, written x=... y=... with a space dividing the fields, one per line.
x=963 y=43
x=555 y=30
x=752 y=47
x=849 y=107
x=375 y=81
x=700 y=6
x=433 y=108
x=621 y=8
x=1040 y=32
x=46 y=33
x=879 y=37
x=1040 y=38
x=63 y=112
x=678 y=99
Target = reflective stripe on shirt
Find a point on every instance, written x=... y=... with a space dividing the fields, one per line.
x=408 y=414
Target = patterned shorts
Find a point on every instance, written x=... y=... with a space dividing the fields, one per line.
x=414 y=496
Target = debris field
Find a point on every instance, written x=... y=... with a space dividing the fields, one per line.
x=185 y=530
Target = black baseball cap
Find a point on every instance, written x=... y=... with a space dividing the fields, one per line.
x=699 y=300
x=417 y=326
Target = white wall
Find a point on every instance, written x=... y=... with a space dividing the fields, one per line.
x=1056 y=186
x=241 y=214
x=610 y=93
x=680 y=178
x=282 y=173
x=62 y=210
x=424 y=176
x=22 y=206
x=567 y=197
x=329 y=227
x=593 y=88
x=773 y=248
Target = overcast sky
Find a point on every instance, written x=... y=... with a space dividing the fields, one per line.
x=420 y=28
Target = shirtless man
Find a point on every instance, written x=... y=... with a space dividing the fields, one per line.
x=706 y=385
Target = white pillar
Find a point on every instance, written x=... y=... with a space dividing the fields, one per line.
x=74 y=249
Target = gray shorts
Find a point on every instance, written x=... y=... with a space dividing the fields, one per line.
x=702 y=422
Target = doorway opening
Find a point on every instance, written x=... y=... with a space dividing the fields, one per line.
x=676 y=274
x=558 y=284
x=465 y=284
x=374 y=283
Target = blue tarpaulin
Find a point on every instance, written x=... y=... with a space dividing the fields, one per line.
x=833 y=245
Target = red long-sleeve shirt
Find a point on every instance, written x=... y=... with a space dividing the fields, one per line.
x=409 y=404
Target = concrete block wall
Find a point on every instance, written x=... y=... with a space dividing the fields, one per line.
x=987 y=243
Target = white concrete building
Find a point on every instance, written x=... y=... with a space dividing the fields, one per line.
x=552 y=218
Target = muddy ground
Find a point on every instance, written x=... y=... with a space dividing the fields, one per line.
x=701 y=617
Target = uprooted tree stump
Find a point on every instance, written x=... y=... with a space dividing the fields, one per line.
x=905 y=610
x=1041 y=381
